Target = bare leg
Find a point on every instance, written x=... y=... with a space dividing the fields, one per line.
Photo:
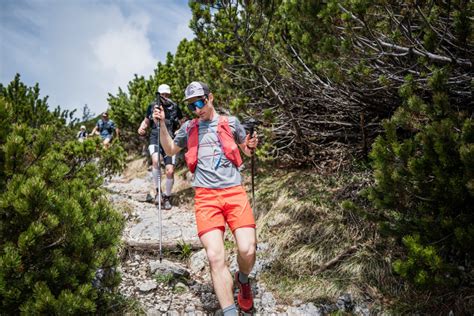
x=246 y=245
x=169 y=179
x=154 y=160
x=106 y=143
x=213 y=242
x=170 y=171
x=155 y=170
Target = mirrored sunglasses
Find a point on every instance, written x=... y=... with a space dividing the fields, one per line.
x=196 y=104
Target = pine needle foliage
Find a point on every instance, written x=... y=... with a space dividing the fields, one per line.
x=57 y=228
x=424 y=172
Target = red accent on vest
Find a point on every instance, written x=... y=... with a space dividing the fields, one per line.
x=225 y=136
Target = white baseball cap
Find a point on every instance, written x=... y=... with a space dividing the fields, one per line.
x=164 y=88
x=196 y=89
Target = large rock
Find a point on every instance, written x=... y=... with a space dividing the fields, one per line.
x=147 y=286
x=167 y=267
x=198 y=261
x=305 y=309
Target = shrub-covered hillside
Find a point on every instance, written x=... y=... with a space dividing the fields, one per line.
x=366 y=163
x=57 y=229
x=333 y=82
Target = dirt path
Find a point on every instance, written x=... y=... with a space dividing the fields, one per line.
x=180 y=284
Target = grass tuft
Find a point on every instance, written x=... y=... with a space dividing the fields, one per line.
x=322 y=243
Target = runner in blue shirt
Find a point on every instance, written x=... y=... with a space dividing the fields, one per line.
x=105 y=128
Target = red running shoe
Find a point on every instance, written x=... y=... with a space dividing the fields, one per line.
x=245 y=297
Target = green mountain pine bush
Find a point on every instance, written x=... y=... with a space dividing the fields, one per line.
x=424 y=172
x=57 y=228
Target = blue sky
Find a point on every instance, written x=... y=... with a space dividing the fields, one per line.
x=80 y=50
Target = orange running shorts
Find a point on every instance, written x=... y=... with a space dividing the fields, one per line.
x=216 y=207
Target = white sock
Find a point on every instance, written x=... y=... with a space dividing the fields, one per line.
x=156 y=176
x=169 y=186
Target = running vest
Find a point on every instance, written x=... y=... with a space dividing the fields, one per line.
x=225 y=136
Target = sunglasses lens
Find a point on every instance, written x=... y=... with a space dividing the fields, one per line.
x=199 y=104
x=196 y=104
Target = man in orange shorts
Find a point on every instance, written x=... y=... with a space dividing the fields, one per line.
x=213 y=156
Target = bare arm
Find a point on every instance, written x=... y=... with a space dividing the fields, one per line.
x=143 y=126
x=94 y=131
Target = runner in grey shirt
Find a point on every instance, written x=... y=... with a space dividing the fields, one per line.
x=220 y=199
x=214 y=170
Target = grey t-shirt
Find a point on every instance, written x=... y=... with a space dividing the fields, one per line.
x=214 y=170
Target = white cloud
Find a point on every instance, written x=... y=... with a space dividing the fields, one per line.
x=123 y=51
x=79 y=51
x=119 y=53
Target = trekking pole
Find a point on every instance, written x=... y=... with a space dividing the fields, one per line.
x=159 y=194
x=252 y=167
x=159 y=180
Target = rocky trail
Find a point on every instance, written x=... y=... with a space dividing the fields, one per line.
x=181 y=283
